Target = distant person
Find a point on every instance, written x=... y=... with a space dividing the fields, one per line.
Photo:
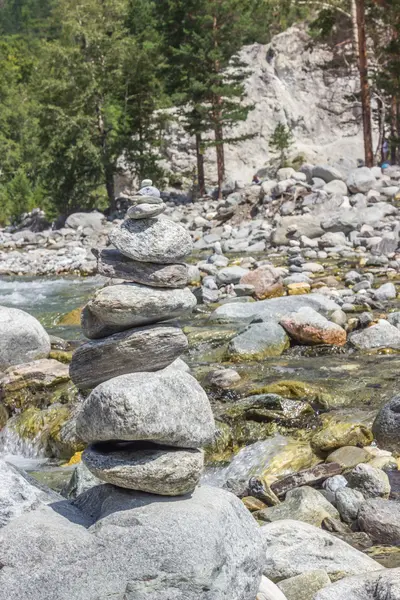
x=360 y=163
x=256 y=180
x=385 y=165
x=385 y=150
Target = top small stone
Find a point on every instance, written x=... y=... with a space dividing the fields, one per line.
x=149 y=190
x=146 y=183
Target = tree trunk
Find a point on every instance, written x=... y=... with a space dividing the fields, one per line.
x=219 y=145
x=200 y=165
x=354 y=27
x=393 y=131
x=365 y=90
x=109 y=176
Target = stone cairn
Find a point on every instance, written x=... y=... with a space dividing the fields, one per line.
x=146 y=418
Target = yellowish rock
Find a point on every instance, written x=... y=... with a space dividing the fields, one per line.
x=74 y=460
x=293 y=457
x=298 y=289
x=336 y=434
x=72 y=318
x=252 y=504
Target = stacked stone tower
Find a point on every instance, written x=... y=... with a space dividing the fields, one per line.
x=146 y=418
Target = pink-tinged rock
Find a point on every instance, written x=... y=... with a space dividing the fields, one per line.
x=266 y=281
x=307 y=326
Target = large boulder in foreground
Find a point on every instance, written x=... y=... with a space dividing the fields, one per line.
x=383 y=585
x=142 y=349
x=157 y=240
x=22 y=338
x=168 y=407
x=205 y=547
x=293 y=547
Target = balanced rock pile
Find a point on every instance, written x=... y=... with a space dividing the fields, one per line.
x=146 y=417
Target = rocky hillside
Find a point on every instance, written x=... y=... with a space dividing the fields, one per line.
x=291 y=81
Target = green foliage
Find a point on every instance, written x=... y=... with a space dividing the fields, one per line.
x=280 y=142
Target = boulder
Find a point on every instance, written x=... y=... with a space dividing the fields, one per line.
x=337 y=433
x=269 y=591
x=294 y=547
x=385 y=292
x=266 y=280
x=142 y=349
x=22 y=338
x=386 y=427
x=361 y=180
x=380 y=518
x=307 y=326
x=94 y=220
x=370 y=481
x=143 y=547
x=327 y=173
x=303 y=504
x=258 y=342
x=307 y=225
x=230 y=275
x=157 y=240
x=111 y=263
x=306 y=585
x=168 y=407
x=146 y=467
x=348 y=503
x=116 y=308
x=349 y=456
x=384 y=585
x=381 y=335
x=81 y=481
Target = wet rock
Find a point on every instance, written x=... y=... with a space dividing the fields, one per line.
x=383 y=585
x=370 y=481
x=266 y=280
x=223 y=378
x=111 y=263
x=380 y=519
x=142 y=349
x=119 y=307
x=381 y=335
x=307 y=326
x=303 y=504
x=348 y=502
x=293 y=548
x=22 y=338
x=262 y=491
x=336 y=434
x=305 y=586
x=349 y=456
x=386 y=427
x=146 y=467
x=168 y=407
x=312 y=476
x=259 y=341
x=157 y=240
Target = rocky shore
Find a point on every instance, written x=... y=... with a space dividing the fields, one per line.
x=300 y=498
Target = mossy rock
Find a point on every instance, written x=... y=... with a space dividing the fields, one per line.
x=223 y=447
x=299 y=390
x=72 y=319
x=265 y=408
x=3 y=416
x=199 y=335
x=336 y=433
x=61 y=355
x=293 y=457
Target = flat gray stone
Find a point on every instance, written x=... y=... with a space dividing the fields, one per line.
x=381 y=520
x=22 y=338
x=143 y=349
x=145 y=211
x=146 y=467
x=293 y=548
x=381 y=335
x=303 y=504
x=111 y=263
x=169 y=407
x=259 y=341
x=384 y=585
x=116 y=308
x=386 y=427
x=144 y=547
x=158 y=240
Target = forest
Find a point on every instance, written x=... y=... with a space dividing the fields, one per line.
x=86 y=82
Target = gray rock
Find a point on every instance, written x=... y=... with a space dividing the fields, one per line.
x=370 y=481
x=380 y=518
x=394 y=319
x=112 y=263
x=385 y=292
x=384 y=585
x=158 y=240
x=332 y=239
x=303 y=504
x=168 y=407
x=119 y=307
x=22 y=338
x=381 y=335
x=259 y=341
x=333 y=484
x=145 y=210
x=273 y=309
x=293 y=548
x=147 y=189
x=81 y=481
x=202 y=546
x=348 y=502
x=336 y=188
x=20 y=493
x=223 y=378
x=307 y=225
x=305 y=586
x=142 y=349
x=93 y=220
x=146 y=467
x=386 y=427
x=361 y=180
x=230 y=275
x=327 y=173
x=269 y=591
